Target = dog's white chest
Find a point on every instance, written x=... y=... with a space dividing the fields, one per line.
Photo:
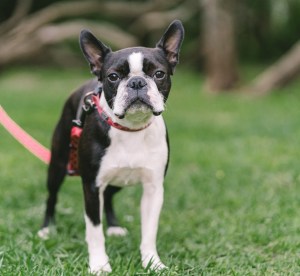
x=134 y=157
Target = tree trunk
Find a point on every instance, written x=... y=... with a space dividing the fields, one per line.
x=286 y=69
x=219 y=45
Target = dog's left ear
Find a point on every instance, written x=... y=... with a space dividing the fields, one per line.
x=171 y=42
x=94 y=51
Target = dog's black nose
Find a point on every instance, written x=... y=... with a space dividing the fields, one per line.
x=136 y=83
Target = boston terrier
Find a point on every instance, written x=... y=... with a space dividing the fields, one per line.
x=123 y=142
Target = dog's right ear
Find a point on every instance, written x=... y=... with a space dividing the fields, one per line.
x=94 y=51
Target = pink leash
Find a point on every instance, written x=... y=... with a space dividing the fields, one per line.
x=25 y=139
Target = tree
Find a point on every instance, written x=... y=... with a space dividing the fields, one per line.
x=25 y=35
x=219 y=45
x=48 y=29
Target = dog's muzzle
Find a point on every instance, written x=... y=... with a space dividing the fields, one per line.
x=137 y=98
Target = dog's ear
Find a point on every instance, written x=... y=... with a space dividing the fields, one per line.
x=171 y=42
x=93 y=50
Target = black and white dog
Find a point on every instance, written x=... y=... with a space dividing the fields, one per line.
x=128 y=145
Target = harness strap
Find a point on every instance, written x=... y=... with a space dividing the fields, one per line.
x=90 y=102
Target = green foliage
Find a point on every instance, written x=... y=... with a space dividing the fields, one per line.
x=232 y=193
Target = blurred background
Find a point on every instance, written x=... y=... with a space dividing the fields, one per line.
x=221 y=35
x=234 y=176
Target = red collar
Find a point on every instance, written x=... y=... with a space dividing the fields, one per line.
x=109 y=120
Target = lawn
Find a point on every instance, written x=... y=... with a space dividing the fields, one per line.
x=232 y=193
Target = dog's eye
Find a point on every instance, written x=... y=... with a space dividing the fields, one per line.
x=159 y=75
x=113 y=77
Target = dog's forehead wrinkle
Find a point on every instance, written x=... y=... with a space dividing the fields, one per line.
x=117 y=64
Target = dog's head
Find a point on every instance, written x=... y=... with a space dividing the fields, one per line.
x=135 y=80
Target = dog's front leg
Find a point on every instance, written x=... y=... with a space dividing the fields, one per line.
x=98 y=259
x=151 y=204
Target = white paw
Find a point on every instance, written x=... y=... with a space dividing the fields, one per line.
x=99 y=264
x=44 y=233
x=100 y=269
x=116 y=231
x=153 y=262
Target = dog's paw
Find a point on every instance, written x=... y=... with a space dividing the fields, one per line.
x=44 y=233
x=116 y=231
x=100 y=269
x=153 y=262
x=99 y=264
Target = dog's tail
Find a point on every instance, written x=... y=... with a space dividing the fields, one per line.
x=24 y=138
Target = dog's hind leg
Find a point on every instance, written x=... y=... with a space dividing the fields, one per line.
x=113 y=226
x=56 y=174
x=60 y=152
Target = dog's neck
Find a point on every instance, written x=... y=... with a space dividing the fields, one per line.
x=139 y=120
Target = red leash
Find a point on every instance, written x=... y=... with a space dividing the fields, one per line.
x=25 y=139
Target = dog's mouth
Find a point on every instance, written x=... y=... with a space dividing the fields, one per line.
x=138 y=105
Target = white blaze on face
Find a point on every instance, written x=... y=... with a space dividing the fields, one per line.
x=135 y=61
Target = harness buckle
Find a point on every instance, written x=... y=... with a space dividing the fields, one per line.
x=88 y=104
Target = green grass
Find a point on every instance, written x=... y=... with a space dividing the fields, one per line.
x=232 y=194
